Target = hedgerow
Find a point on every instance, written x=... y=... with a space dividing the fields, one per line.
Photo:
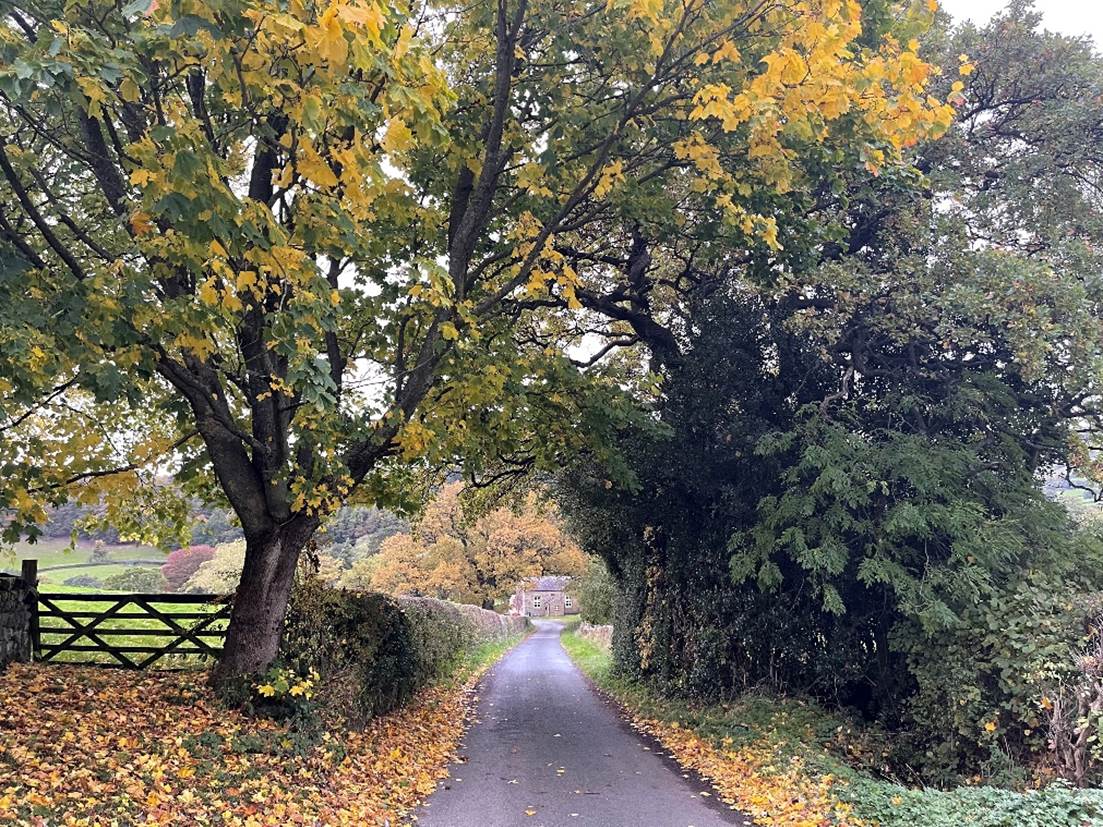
x=372 y=651
x=790 y=763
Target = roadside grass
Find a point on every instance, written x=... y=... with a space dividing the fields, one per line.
x=570 y=622
x=764 y=752
x=477 y=660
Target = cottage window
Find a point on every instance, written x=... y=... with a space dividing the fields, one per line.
x=536 y=601
x=567 y=602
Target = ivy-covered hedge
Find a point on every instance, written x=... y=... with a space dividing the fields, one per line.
x=373 y=651
x=922 y=580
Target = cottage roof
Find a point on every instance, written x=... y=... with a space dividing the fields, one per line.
x=548 y=583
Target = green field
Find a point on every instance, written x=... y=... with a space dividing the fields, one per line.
x=57 y=552
x=146 y=631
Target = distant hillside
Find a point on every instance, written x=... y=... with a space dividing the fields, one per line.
x=353 y=532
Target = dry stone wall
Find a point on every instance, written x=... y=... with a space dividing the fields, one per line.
x=15 y=620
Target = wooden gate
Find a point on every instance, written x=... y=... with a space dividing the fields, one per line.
x=132 y=631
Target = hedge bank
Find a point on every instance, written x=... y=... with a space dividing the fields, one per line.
x=374 y=651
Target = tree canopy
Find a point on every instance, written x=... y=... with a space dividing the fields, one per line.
x=297 y=254
x=845 y=497
x=475 y=559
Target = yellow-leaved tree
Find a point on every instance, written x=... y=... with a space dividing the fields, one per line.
x=292 y=254
x=479 y=560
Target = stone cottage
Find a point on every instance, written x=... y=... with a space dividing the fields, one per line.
x=547 y=596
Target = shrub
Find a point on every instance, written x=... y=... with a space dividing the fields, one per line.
x=286 y=691
x=892 y=805
x=984 y=689
x=85 y=581
x=595 y=593
x=372 y=651
x=359 y=575
x=100 y=553
x=439 y=634
x=183 y=563
x=1073 y=708
x=136 y=579
x=220 y=574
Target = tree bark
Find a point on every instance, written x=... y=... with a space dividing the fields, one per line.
x=256 y=621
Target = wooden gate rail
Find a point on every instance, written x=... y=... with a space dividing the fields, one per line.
x=85 y=631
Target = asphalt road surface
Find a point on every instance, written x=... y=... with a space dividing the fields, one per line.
x=545 y=750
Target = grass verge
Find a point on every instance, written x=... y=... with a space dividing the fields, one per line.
x=473 y=663
x=781 y=761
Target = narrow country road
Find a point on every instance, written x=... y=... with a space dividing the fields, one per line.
x=546 y=751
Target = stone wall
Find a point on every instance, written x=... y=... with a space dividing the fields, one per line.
x=495 y=626
x=601 y=635
x=15 y=620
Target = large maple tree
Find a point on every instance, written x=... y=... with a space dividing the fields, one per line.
x=296 y=253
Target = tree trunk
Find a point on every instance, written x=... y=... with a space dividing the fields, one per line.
x=256 y=621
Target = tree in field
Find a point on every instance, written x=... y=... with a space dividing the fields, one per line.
x=452 y=556
x=182 y=564
x=220 y=574
x=300 y=255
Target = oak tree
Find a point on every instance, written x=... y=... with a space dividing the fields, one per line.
x=482 y=559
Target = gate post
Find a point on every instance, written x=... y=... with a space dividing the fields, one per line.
x=29 y=576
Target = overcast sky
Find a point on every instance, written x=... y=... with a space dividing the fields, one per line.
x=1065 y=16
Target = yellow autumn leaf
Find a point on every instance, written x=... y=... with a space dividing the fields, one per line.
x=141 y=177
x=402 y=46
x=367 y=15
x=129 y=91
x=611 y=174
x=397 y=137
x=208 y=294
x=141 y=223
x=93 y=90
x=327 y=39
x=314 y=167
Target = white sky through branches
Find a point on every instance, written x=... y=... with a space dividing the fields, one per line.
x=1072 y=17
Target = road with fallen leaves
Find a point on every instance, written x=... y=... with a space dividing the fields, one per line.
x=545 y=750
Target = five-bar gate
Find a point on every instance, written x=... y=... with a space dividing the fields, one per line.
x=132 y=631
